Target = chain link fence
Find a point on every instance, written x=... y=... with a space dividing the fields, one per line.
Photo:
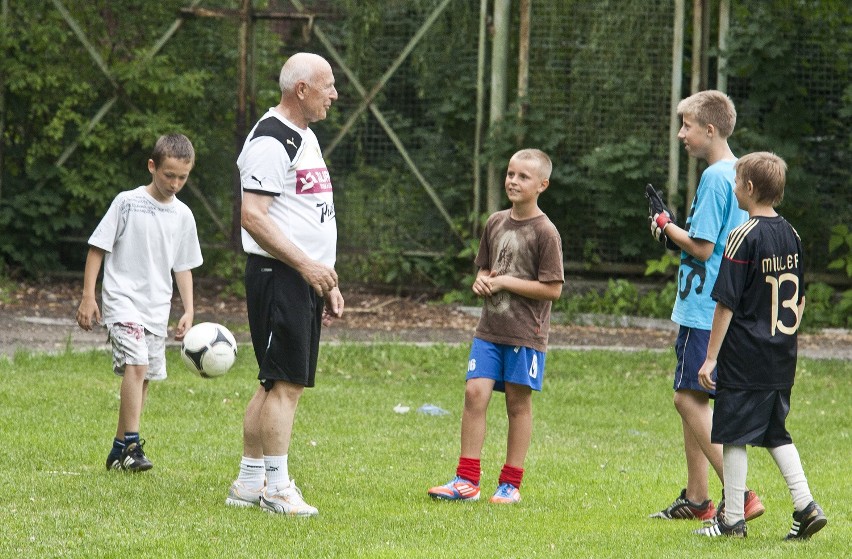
x=599 y=103
x=409 y=164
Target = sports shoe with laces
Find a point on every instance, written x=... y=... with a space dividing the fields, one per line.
x=719 y=528
x=807 y=522
x=752 y=507
x=286 y=499
x=241 y=495
x=457 y=489
x=684 y=509
x=113 y=461
x=506 y=494
x=133 y=459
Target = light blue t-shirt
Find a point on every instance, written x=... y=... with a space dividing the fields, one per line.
x=713 y=214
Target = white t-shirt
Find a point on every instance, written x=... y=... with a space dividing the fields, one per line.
x=144 y=242
x=281 y=160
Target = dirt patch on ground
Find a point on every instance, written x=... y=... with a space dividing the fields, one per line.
x=41 y=317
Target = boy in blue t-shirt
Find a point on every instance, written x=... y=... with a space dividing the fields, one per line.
x=709 y=118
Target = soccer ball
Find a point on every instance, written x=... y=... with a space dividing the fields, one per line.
x=208 y=349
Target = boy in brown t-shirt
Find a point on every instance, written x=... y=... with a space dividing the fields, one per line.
x=520 y=274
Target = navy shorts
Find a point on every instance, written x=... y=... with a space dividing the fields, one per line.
x=753 y=417
x=285 y=319
x=691 y=351
x=505 y=363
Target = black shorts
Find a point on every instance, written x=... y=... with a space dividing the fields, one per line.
x=285 y=319
x=753 y=417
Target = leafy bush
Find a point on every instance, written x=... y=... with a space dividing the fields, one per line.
x=825 y=308
x=620 y=298
x=840 y=245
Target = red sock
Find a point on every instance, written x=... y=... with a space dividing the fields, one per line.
x=469 y=469
x=511 y=474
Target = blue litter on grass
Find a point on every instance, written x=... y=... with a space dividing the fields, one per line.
x=431 y=409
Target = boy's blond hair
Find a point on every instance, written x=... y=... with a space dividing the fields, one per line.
x=545 y=165
x=176 y=146
x=767 y=173
x=711 y=107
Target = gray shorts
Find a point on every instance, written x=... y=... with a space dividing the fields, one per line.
x=132 y=344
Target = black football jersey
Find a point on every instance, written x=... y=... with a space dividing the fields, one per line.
x=761 y=279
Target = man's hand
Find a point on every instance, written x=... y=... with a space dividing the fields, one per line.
x=319 y=276
x=333 y=306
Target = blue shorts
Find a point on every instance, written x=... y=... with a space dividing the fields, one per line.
x=505 y=363
x=691 y=351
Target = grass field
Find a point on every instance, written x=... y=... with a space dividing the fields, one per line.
x=606 y=452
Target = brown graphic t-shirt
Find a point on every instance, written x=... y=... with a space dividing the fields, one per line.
x=531 y=250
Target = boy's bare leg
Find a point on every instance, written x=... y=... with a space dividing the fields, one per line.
x=477 y=395
x=134 y=387
x=697 y=420
x=519 y=410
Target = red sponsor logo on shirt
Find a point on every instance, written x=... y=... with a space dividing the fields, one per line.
x=312 y=181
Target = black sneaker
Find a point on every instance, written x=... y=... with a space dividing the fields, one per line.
x=133 y=459
x=808 y=522
x=684 y=509
x=719 y=528
x=113 y=461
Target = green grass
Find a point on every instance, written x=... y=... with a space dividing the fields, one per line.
x=606 y=452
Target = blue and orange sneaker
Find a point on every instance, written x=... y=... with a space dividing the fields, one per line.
x=506 y=494
x=459 y=489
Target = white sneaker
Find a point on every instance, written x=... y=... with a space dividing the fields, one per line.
x=286 y=499
x=240 y=495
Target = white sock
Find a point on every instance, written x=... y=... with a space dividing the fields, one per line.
x=788 y=461
x=735 y=464
x=276 y=471
x=252 y=472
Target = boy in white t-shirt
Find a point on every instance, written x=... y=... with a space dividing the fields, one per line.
x=145 y=235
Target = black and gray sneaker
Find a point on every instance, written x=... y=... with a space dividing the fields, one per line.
x=718 y=528
x=684 y=509
x=133 y=459
x=113 y=461
x=807 y=522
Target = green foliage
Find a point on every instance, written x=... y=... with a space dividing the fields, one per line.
x=658 y=303
x=228 y=265
x=825 y=308
x=841 y=243
x=667 y=264
x=790 y=80
x=620 y=298
x=598 y=103
x=54 y=89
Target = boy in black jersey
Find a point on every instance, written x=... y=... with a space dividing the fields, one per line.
x=759 y=298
